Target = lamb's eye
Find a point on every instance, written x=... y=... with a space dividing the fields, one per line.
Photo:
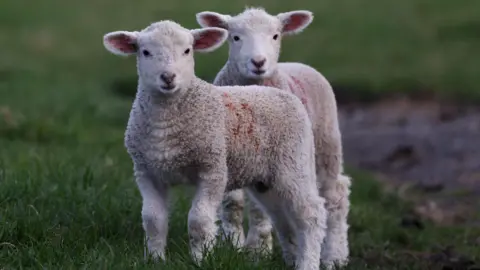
x=146 y=53
x=275 y=36
x=236 y=38
x=187 y=51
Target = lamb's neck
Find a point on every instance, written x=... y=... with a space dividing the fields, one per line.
x=168 y=109
x=235 y=77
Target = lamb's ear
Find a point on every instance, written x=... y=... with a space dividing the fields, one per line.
x=208 y=39
x=295 y=22
x=213 y=19
x=122 y=43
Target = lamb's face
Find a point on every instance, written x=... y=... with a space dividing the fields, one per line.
x=164 y=52
x=165 y=58
x=254 y=41
x=255 y=37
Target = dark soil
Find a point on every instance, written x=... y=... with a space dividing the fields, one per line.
x=429 y=145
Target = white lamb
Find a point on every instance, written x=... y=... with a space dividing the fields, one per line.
x=254 y=47
x=219 y=139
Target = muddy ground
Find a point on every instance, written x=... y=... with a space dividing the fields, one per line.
x=428 y=150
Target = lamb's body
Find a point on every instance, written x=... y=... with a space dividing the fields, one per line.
x=248 y=121
x=260 y=133
x=255 y=29
x=316 y=94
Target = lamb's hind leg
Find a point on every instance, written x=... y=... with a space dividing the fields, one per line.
x=281 y=222
x=259 y=236
x=294 y=205
x=231 y=216
x=335 y=188
x=306 y=210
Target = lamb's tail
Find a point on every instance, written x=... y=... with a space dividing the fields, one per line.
x=345 y=180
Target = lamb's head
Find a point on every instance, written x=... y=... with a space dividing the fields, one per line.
x=164 y=52
x=255 y=37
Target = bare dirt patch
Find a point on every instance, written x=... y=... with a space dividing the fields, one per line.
x=430 y=146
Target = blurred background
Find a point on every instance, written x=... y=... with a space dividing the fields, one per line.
x=406 y=78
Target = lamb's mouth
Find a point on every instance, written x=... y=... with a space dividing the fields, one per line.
x=168 y=87
x=257 y=73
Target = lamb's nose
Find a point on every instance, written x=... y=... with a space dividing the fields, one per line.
x=168 y=77
x=258 y=61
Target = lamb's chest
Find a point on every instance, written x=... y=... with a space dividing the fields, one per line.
x=166 y=156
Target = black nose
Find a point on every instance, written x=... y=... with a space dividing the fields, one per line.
x=258 y=62
x=168 y=77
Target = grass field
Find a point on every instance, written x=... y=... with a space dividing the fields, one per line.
x=67 y=197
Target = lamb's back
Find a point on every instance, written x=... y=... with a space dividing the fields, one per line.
x=314 y=90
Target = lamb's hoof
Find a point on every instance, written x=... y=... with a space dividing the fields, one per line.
x=236 y=237
x=262 y=245
x=155 y=256
x=197 y=257
x=257 y=252
x=334 y=264
x=263 y=250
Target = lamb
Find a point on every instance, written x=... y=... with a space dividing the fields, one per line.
x=254 y=47
x=219 y=139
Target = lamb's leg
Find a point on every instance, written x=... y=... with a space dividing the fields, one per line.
x=335 y=188
x=284 y=229
x=201 y=217
x=231 y=216
x=335 y=247
x=306 y=210
x=154 y=212
x=259 y=236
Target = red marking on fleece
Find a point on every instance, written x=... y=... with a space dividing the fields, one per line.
x=228 y=102
x=245 y=106
x=268 y=82
x=298 y=85
x=245 y=121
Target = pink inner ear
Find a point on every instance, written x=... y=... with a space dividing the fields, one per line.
x=123 y=43
x=212 y=21
x=207 y=39
x=295 y=21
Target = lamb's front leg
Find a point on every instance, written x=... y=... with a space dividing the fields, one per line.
x=154 y=212
x=201 y=218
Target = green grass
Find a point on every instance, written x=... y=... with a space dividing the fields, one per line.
x=67 y=197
